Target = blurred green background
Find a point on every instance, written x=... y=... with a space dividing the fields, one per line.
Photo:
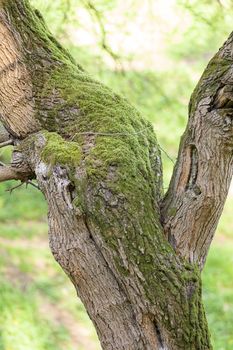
x=153 y=52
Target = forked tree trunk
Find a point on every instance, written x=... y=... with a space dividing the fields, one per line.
x=133 y=257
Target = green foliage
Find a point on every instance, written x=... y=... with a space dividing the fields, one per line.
x=210 y=21
x=38 y=306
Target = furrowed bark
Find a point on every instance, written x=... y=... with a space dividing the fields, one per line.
x=81 y=258
x=194 y=202
x=98 y=164
x=133 y=305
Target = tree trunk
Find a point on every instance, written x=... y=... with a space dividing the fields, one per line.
x=135 y=267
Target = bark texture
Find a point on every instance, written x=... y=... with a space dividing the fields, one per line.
x=136 y=269
x=203 y=171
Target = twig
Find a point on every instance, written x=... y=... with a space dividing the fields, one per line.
x=6 y=143
x=111 y=133
x=14 y=188
x=166 y=154
x=32 y=184
x=28 y=182
x=98 y=16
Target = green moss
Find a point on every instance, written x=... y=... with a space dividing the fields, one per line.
x=59 y=151
x=119 y=131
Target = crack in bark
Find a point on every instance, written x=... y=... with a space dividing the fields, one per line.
x=159 y=336
x=193 y=172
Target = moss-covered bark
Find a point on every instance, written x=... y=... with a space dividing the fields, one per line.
x=98 y=163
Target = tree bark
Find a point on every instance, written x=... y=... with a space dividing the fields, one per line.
x=97 y=161
x=203 y=171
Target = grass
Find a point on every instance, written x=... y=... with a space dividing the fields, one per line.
x=22 y=326
x=38 y=305
x=39 y=309
x=218 y=286
x=218 y=283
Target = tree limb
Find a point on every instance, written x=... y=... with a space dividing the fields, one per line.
x=103 y=35
x=9 y=173
x=202 y=175
x=18 y=170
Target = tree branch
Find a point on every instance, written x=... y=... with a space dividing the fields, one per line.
x=9 y=173
x=6 y=143
x=103 y=35
x=19 y=168
x=202 y=175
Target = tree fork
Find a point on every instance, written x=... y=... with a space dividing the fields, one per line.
x=99 y=166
